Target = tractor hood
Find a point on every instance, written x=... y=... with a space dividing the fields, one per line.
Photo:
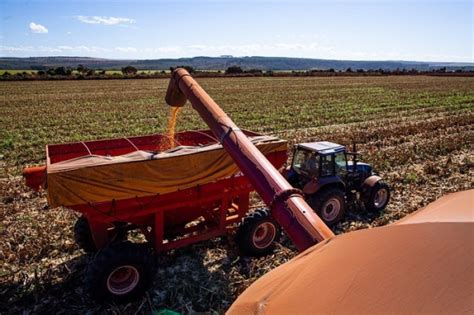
x=361 y=167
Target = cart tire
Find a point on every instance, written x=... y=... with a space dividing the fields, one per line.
x=120 y=272
x=83 y=235
x=258 y=233
x=379 y=197
x=329 y=204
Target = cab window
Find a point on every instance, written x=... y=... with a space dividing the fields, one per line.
x=341 y=165
x=306 y=162
x=327 y=166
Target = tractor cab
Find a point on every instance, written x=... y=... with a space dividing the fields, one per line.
x=330 y=177
x=319 y=159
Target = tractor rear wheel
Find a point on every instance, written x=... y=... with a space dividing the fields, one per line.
x=83 y=235
x=257 y=233
x=329 y=204
x=378 y=198
x=120 y=272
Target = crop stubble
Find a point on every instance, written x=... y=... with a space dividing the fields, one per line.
x=417 y=131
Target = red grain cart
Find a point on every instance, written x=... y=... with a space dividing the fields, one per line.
x=174 y=198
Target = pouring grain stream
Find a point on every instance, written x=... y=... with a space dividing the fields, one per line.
x=169 y=142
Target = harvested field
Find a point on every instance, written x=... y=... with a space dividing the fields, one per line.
x=417 y=131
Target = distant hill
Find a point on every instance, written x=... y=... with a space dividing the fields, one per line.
x=222 y=63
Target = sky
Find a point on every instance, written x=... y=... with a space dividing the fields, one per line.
x=351 y=30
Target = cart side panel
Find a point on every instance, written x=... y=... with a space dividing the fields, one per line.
x=101 y=179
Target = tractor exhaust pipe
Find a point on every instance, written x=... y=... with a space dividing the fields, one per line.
x=286 y=204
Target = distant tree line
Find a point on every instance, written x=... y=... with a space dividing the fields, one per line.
x=129 y=72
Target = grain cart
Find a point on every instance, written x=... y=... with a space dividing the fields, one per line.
x=174 y=198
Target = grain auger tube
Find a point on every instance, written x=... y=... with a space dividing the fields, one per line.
x=286 y=204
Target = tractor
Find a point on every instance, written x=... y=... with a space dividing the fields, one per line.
x=332 y=178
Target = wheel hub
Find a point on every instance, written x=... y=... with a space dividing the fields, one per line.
x=264 y=235
x=380 y=198
x=331 y=209
x=123 y=280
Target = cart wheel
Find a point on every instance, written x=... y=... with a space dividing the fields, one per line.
x=120 y=272
x=257 y=233
x=83 y=235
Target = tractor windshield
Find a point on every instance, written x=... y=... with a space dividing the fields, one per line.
x=306 y=163
x=341 y=163
x=333 y=164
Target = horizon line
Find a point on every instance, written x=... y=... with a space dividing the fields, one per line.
x=237 y=57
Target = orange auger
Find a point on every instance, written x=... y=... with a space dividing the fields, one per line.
x=287 y=204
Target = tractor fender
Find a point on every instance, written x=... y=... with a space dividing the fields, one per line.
x=315 y=185
x=367 y=186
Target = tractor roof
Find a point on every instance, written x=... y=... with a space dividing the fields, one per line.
x=322 y=147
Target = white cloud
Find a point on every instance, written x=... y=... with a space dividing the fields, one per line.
x=75 y=50
x=84 y=49
x=38 y=28
x=126 y=49
x=275 y=49
x=104 y=20
x=295 y=49
x=278 y=49
x=47 y=49
x=12 y=49
x=168 y=50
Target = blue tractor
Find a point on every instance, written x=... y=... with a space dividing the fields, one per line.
x=332 y=178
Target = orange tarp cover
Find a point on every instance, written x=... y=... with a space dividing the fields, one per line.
x=95 y=178
x=423 y=264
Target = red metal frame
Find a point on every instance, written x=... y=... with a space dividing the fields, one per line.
x=169 y=220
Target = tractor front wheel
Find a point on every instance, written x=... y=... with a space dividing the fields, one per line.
x=378 y=198
x=329 y=204
x=257 y=233
x=120 y=272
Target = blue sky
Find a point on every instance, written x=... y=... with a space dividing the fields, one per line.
x=358 y=30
